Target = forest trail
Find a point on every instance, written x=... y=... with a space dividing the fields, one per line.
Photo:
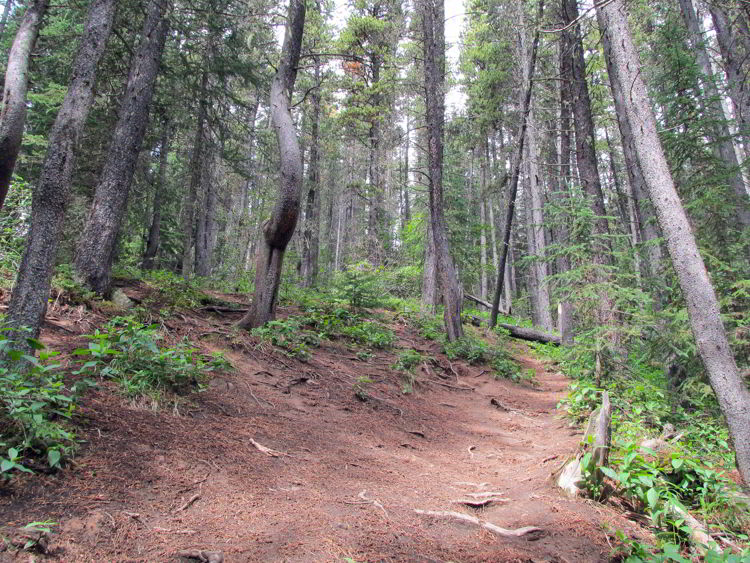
x=343 y=477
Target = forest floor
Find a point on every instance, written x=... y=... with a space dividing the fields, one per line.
x=343 y=476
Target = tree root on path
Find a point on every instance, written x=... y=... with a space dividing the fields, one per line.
x=476 y=521
x=268 y=451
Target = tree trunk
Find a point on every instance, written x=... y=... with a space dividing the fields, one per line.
x=196 y=174
x=483 y=221
x=50 y=198
x=13 y=103
x=536 y=212
x=96 y=247
x=278 y=230
x=205 y=232
x=516 y=167
x=649 y=230
x=433 y=28
x=732 y=56
x=723 y=147
x=154 y=231
x=430 y=294
x=4 y=19
x=311 y=235
x=703 y=307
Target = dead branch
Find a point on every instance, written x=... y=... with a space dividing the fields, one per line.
x=268 y=451
x=488 y=494
x=189 y=502
x=477 y=522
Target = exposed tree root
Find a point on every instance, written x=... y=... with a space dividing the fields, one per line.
x=517 y=533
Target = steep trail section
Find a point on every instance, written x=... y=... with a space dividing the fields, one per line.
x=279 y=461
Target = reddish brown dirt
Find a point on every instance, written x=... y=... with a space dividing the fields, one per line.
x=348 y=478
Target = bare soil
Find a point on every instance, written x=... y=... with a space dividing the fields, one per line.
x=344 y=476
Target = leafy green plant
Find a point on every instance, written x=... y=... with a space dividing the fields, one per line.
x=34 y=403
x=360 y=387
x=128 y=352
x=428 y=326
x=407 y=361
x=369 y=333
x=288 y=335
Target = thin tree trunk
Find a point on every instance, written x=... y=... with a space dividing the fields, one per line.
x=483 y=221
x=278 y=230
x=703 y=307
x=407 y=148
x=732 y=56
x=196 y=170
x=724 y=147
x=311 y=235
x=154 y=231
x=516 y=167
x=433 y=27
x=536 y=212
x=649 y=230
x=588 y=169
x=430 y=294
x=96 y=247
x=206 y=224
x=13 y=103
x=50 y=198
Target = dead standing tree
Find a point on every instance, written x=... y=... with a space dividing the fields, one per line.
x=278 y=230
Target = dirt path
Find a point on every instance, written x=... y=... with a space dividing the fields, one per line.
x=346 y=482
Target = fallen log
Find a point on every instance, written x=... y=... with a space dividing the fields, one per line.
x=523 y=333
x=482 y=302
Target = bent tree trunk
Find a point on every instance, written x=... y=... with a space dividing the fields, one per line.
x=433 y=27
x=278 y=230
x=96 y=247
x=703 y=307
x=13 y=108
x=50 y=198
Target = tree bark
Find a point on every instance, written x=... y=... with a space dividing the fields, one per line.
x=154 y=231
x=723 y=147
x=13 y=103
x=433 y=28
x=311 y=235
x=205 y=232
x=28 y=301
x=278 y=230
x=96 y=247
x=703 y=307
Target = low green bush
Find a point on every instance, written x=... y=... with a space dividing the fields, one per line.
x=35 y=405
x=128 y=352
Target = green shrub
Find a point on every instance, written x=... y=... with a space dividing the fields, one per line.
x=360 y=285
x=128 y=352
x=428 y=326
x=369 y=333
x=34 y=405
x=288 y=335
